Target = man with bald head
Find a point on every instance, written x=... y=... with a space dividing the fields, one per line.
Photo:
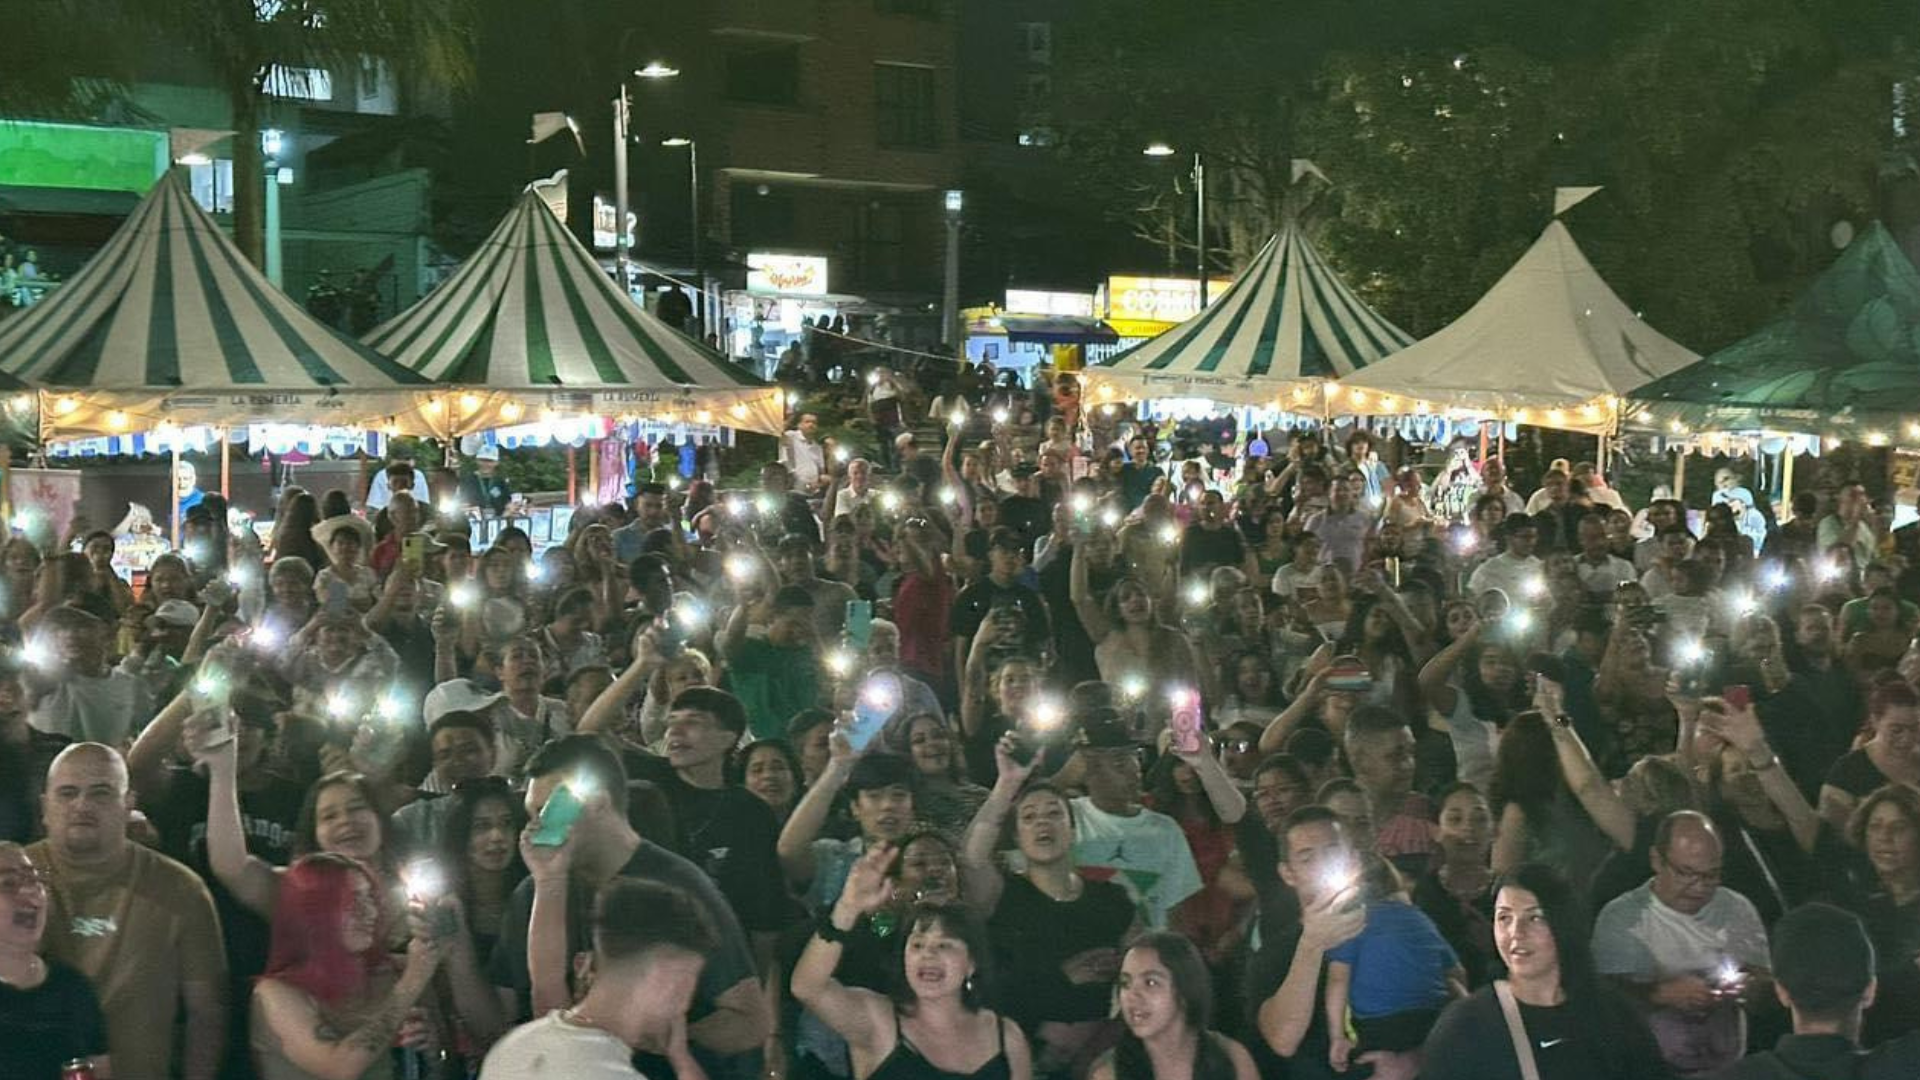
x=138 y=925
x=1690 y=951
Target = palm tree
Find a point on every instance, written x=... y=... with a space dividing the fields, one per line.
x=86 y=56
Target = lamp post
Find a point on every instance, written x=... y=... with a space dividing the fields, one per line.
x=1199 y=175
x=622 y=125
x=273 y=142
x=950 y=295
x=693 y=206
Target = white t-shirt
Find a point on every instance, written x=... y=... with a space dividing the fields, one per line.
x=1599 y=579
x=1509 y=574
x=108 y=709
x=556 y=1047
x=1147 y=854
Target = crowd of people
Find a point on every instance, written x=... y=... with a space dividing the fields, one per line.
x=1068 y=751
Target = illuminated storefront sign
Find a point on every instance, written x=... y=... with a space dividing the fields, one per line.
x=792 y=275
x=1041 y=302
x=1168 y=300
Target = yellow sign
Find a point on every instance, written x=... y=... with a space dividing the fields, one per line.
x=1167 y=300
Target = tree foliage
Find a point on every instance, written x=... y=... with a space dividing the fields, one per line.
x=1728 y=134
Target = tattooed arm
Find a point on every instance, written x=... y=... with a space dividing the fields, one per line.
x=306 y=1040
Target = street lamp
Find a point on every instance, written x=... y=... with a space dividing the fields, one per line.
x=622 y=117
x=950 y=295
x=693 y=214
x=1199 y=174
x=273 y=142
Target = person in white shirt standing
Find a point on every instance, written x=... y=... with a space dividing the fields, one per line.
x=649 y=944
x=1691 y=952
x=802 y=452
x=1516 y=571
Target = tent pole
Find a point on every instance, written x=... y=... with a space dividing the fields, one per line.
x=593 y=469
x=1679 y=472
x=1786 y=475
x=173 y=495
x=226 y=464
x=1500 y=442
x=573 y=477
x=1483 y=446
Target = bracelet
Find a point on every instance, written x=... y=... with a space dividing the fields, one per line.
x=824 y=929
x=1772 y=762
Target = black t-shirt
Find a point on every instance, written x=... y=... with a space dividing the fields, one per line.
x=1856 y=774
x=1264 y=976
x=1034 y=934
x=44 y=1028
x=1603 y=1039
x=1810 y=723
x=731 y=836
x=1203 y=548
x=269 y=818
x=23 y=772
x=1075 y=662
x=1026 y=515
x=1467 y=927
x=974 y=601
x=1830 y=1057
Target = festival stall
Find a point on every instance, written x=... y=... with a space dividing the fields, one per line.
x=530 y=328
x=169 y=328
x=1550 y=344
x=1283 y=332
x=169 y=325
x=1841 y=363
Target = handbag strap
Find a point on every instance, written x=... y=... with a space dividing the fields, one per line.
x=1517 y=1028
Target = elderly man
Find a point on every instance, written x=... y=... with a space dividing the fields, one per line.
x=1692 y=953
x=138 y=925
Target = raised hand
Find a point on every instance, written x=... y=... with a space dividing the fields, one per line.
x=868 y=888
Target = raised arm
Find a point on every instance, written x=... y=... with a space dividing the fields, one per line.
x=548 y=959
x=307 y=1039
x=803 y=826
x=1436 y=675
x=1741 y=729
x=1304 y=705
x=858 y=1016
x=1093 y=616
x=609 y=709
x=1603 y=805
x=1285 y=1017
x=152 y=751
x=981 y=877
x=253 y=881
x=1228 y=800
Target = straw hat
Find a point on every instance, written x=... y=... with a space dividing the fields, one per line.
x=324 y=531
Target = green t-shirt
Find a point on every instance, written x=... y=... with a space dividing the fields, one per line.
x=773 y=683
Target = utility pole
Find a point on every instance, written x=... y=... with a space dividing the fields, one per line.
x=621 y=248
x=1200 y=224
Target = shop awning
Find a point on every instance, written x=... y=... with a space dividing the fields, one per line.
x=168 y=324
x=530 y=327
x=1287 y=326
x=20 y=199
x=1045 y=329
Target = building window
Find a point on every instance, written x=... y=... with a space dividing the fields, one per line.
x=882 y=244
x=919 y=9
x=1036 y=40
x=903 y=107
x=299 y=83
x=212 y=185
x=768 y=75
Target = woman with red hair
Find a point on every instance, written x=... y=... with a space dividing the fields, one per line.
x=329 y=1006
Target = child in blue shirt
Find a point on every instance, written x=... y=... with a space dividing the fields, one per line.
x=1394 y=976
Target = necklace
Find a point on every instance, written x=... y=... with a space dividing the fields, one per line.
x=36 y=971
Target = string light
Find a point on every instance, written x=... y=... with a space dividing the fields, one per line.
x=510 y=412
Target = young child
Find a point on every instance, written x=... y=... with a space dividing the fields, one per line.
x=1394 y=976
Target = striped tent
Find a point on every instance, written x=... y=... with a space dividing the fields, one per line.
x=168 y=324
x=530 y=326
x=1550 y=344
x=1286 y=326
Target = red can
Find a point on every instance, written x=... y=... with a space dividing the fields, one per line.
x=77 y=1069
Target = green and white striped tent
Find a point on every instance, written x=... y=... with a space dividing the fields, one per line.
x=530 y=326
x=169 y=324
x=1287 y=326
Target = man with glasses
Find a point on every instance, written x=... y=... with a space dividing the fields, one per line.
x=1690 y=952
x=1115 y=837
